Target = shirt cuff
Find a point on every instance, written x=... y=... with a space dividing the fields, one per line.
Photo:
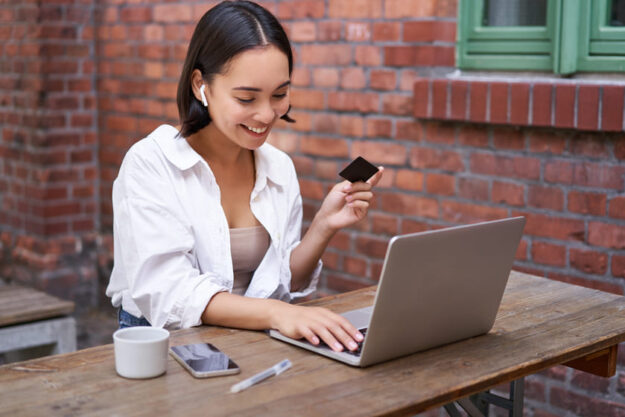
x=312 y=286
x=188 y=312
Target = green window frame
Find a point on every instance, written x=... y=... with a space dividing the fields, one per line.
x=577 y=37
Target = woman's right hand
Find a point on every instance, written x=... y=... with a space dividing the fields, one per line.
x=315 y=324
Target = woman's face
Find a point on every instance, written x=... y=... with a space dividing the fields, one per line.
x=246 y=100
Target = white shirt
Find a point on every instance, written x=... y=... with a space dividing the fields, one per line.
x=171 y=236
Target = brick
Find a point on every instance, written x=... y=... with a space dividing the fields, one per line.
x=560 y=228
x=326 y=169
x=587 y=203
x=422 y=98
x=409 y=180
x=548 y=254
x=300 y=9
x=400 y=56
x=326 y=123
x=331 y=260
x=499 y=102
x=588 y=107
x=311 y=189
x=478 y=101
x=551 y=198
x=324 y=147
x=519 y=103
x=606 y=235
x=598 y=175
x=424 y=158
x=386 y=31
x=411 y=226
x=456 y=212
x=396 y=104
x=358 y=31
x=618 y=266
x=612 y=108
x=409 y=205
x=326 y=54
x=383 y=80
x=565 y=106
x=353 y=78
x=341 y=283
x=588 y=261
x=169 y=13
x=473 y=189
x=514 y=167
x=379 y=128
x=384 y=224
x=476 y=136
x=589 y=145
x=546 y=142
x=303 y=32
x=508 y=193
x=439 y=98
x=521 y=252
x=136 y=14
x=355 y=9
x=435 y=56
x=328 y=31
x=301 y=77
x=590 y=382
x=371 y=247
x=326 y=77
x=353 y=101
x=355 y=266
x=588 y=283
x=508 y=139
x=408 y=130
x=429 y=31
x=379 y=152
x=440 y=184
x=541 y=104
x=368 y=55
x=407 y=79
x=351 y=126
x=459 y=92
x=397 y=9
x=617 y=207
x=559 y=172
x=307 y=98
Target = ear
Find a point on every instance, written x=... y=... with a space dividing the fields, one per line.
x=196 y=83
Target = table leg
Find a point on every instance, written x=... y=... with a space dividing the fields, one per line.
x=477 y=406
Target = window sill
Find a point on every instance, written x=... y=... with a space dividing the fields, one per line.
x=579 y=103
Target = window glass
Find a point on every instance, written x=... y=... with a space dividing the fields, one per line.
x=617 y=17
x=516 y=12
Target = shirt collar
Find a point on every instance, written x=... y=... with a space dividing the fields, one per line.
x=175 y=148
x=178 y=151
x=267 y=167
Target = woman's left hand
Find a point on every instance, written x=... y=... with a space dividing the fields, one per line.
x=348 y=203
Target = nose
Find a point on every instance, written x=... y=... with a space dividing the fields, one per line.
x=265 y=113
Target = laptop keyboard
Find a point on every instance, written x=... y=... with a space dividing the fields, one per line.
x=356 y=352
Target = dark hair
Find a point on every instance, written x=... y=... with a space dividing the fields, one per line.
x=224 y=31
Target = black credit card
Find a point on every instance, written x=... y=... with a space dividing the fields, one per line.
x=359 y=170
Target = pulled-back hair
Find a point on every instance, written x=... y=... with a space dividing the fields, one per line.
x=223 y=32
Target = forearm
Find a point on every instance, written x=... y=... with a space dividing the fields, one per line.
x=231 y=310
x=305 y=257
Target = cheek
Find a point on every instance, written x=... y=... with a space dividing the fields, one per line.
x=282 y=107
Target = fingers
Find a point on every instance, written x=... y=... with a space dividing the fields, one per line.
x=336 y=331
x=376 y=178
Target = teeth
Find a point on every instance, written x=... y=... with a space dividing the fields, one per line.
x=257 y=130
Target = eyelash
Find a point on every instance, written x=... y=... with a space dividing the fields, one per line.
x=248 y=101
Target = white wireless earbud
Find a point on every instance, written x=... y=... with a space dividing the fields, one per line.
x=204 y=102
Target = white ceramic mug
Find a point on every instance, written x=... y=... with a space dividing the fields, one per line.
x=141 y=352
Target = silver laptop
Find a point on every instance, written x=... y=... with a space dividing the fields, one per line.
x=436 y=287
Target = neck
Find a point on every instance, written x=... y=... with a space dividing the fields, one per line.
x=215 y=148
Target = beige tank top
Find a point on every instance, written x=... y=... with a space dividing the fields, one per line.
x=248 y=246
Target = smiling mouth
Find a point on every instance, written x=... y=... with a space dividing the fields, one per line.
x=257 y=130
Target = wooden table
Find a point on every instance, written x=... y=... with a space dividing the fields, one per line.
x=541 y=323
x=33 y=323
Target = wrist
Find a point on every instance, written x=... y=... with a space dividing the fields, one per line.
x=275 y=311
x=321 y=228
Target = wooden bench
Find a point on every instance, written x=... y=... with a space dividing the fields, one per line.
x=34 y=324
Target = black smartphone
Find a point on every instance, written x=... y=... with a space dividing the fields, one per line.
x=204 y=360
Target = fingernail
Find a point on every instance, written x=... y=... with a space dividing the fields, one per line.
x=338 y=346
x=353 y=346
x=315 y=341
x=359 y=336
x=347 y=188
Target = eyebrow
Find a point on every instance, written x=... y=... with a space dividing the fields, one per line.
x=284 y=84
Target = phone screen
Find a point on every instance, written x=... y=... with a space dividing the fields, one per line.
x=204 y=357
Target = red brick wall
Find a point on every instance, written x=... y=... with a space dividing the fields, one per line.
x=48 y=147
x=455 y=152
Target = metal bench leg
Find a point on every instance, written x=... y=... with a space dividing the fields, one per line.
x=477 y=405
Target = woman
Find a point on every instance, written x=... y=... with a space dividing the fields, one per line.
x=207 y=216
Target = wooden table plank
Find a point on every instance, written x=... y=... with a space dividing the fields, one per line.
x=541 y=323
x=21 y=305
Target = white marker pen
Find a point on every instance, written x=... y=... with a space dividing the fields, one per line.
x=277 y=369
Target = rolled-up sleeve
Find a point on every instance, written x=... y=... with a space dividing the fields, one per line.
x=155 y=248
